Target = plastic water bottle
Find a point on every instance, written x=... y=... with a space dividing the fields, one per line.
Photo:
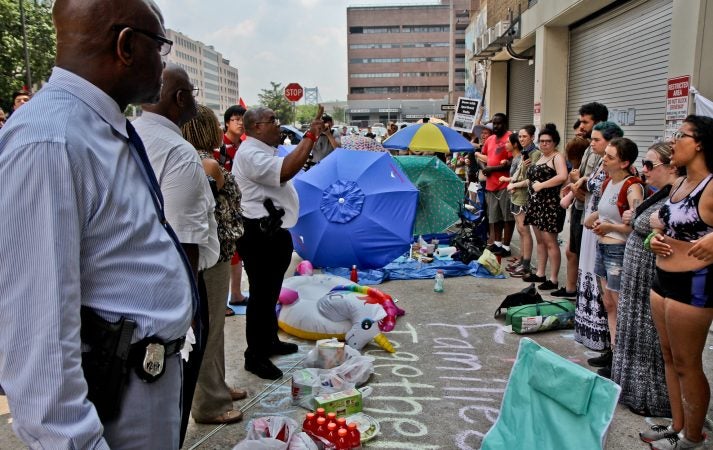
x=354 y=436
x=342 y=442
x=438 y=286
x=309 y=422
x=332 y=430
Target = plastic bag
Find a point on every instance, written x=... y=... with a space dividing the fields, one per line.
x=269 y=433
x=355 y=369
x=310 y=382
x=490 y=262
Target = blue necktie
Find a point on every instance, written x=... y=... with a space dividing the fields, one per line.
x=139 y=151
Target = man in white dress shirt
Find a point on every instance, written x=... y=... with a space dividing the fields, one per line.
x=266 y=245
x=189 y=203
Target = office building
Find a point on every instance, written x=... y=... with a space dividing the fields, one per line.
x=216 y=79
x=405 y=61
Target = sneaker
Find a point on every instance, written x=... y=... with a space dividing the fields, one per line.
x=495 y=249
x=605 y=372
x=603 y=360
x=520 y=272
x=534 y=278
x=504 y=252
x=677 y=441
x=562 y=292
x=657 y=432
x=547 y=286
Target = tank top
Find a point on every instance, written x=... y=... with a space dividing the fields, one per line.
x=609 y=210
x=681 y=219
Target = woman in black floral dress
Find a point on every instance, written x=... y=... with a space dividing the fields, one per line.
x=544 y=212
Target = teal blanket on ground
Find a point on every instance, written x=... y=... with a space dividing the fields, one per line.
x=552 y=403
x=408 y=269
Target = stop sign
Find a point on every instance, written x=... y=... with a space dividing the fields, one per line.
x=293 y=92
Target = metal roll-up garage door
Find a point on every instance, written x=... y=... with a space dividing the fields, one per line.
x=621 y=59
x=521 y=93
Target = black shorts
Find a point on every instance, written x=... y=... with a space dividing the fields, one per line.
x=575 y=229
x=692 y=288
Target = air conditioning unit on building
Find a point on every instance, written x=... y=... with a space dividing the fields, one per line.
x=501 y=27
x=484 y=40
x=476 y=45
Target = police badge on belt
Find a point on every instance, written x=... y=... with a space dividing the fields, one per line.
x=153 y=362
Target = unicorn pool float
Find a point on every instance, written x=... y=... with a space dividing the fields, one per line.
x=317 y=306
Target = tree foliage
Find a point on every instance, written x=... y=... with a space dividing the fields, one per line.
x=339 y=114
x=306 y=113
x=274 y=98
x=40 y=42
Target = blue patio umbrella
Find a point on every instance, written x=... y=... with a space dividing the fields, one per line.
x=356 y=208
x=428 y=137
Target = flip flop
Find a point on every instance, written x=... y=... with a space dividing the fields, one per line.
x=243 y=302
x=229 y=312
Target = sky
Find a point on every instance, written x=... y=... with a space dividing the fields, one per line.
x=284 y=41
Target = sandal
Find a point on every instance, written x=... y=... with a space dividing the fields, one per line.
x=243 y=302
x=227 y=417
x=229 y=312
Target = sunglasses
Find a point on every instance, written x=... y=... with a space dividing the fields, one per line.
x=650 y=165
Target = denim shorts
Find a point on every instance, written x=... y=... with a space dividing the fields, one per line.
x=608 y=264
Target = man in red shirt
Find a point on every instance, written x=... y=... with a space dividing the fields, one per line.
x=497 y=160
x=234 y=135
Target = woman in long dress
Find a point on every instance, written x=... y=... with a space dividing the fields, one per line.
x=638 y=365
x=590 y=320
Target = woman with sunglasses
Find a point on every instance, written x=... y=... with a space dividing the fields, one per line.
x=619 y=190
x=682 y=291
x=638 y=364
x=590 y=319
x=543 y=210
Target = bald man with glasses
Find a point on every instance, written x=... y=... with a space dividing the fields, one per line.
x=270 y=206
x=99 y=294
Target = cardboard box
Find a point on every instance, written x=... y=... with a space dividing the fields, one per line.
x=344 y=403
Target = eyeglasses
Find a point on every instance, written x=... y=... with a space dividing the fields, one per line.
x=680 y=135
x=194 y=91
x=164 y=47
x=545 y=141
x=650 y=165
x=272 y=120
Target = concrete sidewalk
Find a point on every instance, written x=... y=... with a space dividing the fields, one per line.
x=441 y=389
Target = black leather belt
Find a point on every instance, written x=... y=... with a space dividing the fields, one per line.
x=148 y=356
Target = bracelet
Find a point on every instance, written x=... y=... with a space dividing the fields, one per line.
x=647 y=241
x=309 y=135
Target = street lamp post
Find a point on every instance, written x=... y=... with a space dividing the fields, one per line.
x=388 y=110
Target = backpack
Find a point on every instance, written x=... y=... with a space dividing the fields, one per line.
x=527 y=296
x=622 y=202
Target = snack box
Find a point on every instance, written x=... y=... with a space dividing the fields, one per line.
x=344 y=403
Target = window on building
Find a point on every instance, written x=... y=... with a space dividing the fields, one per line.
x=376 y=90
x=424 y=74
x=425 y=28
x=425 y=44
x=375 y=75
x=417 y=89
